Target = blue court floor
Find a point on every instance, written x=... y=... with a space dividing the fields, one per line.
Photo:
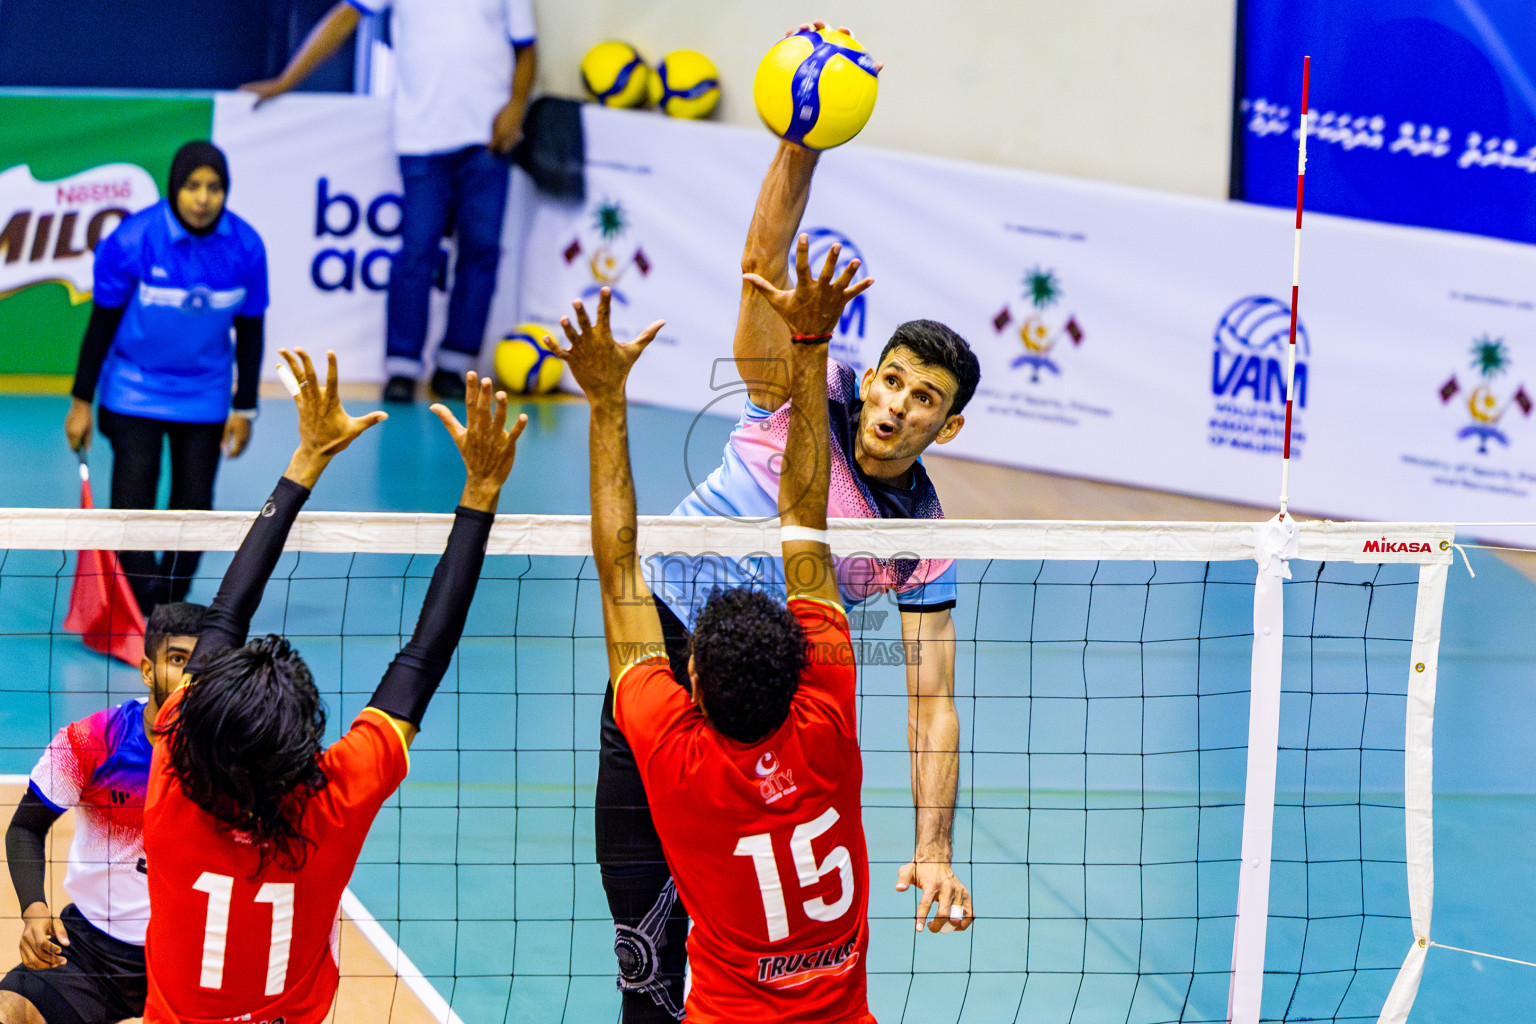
x=1101 y=762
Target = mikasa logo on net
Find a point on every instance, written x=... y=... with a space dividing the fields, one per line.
x=1393 y=547
x=49 y=230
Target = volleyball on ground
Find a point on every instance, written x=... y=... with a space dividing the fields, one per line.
x=685 y=84
x=616 y=75
x=525 y=363
x=816 y=88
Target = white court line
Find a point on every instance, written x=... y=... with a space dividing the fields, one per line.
x=387 y=948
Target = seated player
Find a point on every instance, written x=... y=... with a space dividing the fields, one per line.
x=252 y=829
x=86 y=965
x=881 y=423
x=754 y=771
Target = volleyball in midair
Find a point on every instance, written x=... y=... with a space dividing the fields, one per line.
x=616 y=75
x=525 y=361
x=685 y=84
x=816 y=88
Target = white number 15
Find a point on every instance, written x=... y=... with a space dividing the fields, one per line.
x=760 y=849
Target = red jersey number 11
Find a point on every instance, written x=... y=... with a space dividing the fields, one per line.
x=220 y=890
x=809 y=872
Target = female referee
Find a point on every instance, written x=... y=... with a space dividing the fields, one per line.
x=171 y=282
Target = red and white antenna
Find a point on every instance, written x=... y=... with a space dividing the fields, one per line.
x=1290 y=383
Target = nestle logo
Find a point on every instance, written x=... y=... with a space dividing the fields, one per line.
x=1392 y=547
x=93 y=192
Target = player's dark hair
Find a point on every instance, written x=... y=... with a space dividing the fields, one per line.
x=245 y=743
x=933 y=343
x=178 y=618
x=748 y=651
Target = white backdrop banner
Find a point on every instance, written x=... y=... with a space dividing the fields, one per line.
x=317 y=176
x=1124 y=335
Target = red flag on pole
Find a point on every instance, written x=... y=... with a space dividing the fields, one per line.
x=102 y=608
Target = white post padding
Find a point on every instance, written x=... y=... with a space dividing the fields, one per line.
x=1419 y=788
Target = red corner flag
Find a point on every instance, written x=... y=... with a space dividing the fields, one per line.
x=102 y=607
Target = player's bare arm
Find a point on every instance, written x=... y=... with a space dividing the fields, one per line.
x=808 y=314
x=507 y=128
x=323 y=40
x=601 y=366
x=933 y=736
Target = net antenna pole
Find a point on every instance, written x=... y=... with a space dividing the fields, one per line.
x=1290 y=380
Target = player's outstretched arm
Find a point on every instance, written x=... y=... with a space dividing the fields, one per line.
x=323 y=40
x=488 y=448
x=601 y=366
x=325 y=430
x=809 y=314
x=933 y=736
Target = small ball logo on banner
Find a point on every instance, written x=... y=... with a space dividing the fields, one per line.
x=1249 y=369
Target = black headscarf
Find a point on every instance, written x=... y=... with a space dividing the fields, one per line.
x=188 y=159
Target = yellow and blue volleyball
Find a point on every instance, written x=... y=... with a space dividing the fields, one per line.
x=685 y=84
x=525 y=362
x=816 y=88
x=616 y=75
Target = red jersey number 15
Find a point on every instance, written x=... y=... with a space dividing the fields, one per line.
x=808 y=870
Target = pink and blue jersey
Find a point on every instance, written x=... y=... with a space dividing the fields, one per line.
x=746 y=486
x=100 y=767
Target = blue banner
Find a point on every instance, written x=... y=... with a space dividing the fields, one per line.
x=1423 y=112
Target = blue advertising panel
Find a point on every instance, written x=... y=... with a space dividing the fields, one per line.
x=1423 y=111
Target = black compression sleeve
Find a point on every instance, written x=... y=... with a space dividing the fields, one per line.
x=412 y=678
x=249 y=337
x=25 y=849
x=229 y=617
x=99 y=332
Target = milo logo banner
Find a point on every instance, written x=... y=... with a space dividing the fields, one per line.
x=71 y=169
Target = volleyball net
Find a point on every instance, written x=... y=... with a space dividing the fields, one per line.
x=1195 y=758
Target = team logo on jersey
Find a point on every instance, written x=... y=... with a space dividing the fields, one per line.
x=791 y=969
x=605 y=254
x=777 y=782
x=1039 y=331
x=49 y=230
x=1485 y=405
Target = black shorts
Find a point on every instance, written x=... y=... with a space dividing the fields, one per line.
x=102 y=980
x=626 y=836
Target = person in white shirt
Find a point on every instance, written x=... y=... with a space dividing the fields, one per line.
x=465 y=69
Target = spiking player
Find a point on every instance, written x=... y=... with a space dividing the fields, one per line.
x=753 y=771
x=251 y=828
x=85 y=965
x=880 y=425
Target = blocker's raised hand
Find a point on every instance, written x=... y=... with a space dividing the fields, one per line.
x=325 y=428
x=813 y=307
x=485 y=443
x=598 y=362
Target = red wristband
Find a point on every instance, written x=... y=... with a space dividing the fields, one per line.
x=810 y=339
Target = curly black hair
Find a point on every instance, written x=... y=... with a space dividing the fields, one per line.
x=748 y=651
x=245 y=744
x=933 y=343
x=177 y=618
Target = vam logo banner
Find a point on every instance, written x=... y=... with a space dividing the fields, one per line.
x=1250 y=366
x=49 y=230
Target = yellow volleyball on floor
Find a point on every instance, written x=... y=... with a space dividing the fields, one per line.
x=616 y=75
x=685 y=84
x=525 y=363
x=816 y=88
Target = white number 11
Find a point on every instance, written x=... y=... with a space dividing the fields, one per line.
x=760 y=849
x=220 y=889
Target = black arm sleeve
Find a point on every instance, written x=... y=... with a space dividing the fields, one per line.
x=25 y=851
x=99 y=333
x=413 y=676
x=229 y=617
x=249 y=337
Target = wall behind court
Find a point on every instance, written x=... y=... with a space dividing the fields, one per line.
x=1131 y=91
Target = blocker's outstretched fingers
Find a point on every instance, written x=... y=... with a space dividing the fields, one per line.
x=582 y=320
x=803 y=258
x=826 y=268
x=604 y=301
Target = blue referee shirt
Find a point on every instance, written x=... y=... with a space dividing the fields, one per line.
x=173 y=355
